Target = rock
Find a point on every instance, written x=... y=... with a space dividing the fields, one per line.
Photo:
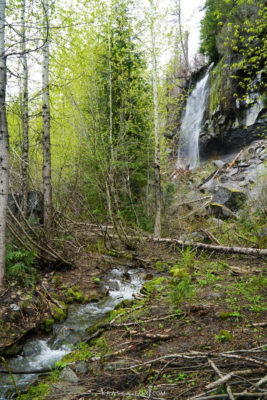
x=218 y=163
x=197 y=236
x=68 y=375
x=81 y=368
x=231 y=198
x=220 y=211
x=14 y=307
x=210 y=186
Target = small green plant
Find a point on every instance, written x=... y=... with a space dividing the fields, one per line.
x=180 y=290
x=188 y=257
x=224 y=336
x=39 y=392
x=96 y=280
x=20 y=266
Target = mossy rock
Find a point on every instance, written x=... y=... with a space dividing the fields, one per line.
x=47 y=324
x=229 y=197
x=225 y=336
x=59 y=314
x=11 y=351
x=224 y=315
x=220 y=211
x=74 y=295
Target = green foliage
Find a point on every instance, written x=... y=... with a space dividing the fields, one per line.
x=236 y=29
x=75 y=295
x=154 y=285
x=20 y=266
x=38 y=392
x=224 y=336
x=181 y=290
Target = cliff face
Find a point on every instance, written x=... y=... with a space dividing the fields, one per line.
x=231 y=119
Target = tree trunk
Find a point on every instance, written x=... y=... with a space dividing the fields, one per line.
x=157 y=226
x=47 y=184
x=25 y=114
x=4 y=147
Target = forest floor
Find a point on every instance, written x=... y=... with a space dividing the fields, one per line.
x=167 y=343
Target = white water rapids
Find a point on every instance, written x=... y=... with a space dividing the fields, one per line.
x=188 y=151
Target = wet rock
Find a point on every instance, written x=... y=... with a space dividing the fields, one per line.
x=68 y=375
x=81 y=368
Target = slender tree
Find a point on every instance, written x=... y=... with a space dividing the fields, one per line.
x=4 y=147
x=157 y=225
x=47 y=184
x=25 y=112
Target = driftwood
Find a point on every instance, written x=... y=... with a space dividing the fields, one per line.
x=228 y=387
x=229 y=376
x=151 y=336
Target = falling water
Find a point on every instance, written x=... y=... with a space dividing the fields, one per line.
x=188 y=153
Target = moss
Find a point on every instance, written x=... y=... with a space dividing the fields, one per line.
x=47 y=324
x=11 y=351
x=226 y=336
x=75 y=295
x=224 y=315
x=220 y=93
x=59 y=314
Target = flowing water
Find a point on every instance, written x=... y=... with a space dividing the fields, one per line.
x=188 y=152
x=37 y=354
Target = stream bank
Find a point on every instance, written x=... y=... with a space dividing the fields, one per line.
x=198 y=308
x=41 y=354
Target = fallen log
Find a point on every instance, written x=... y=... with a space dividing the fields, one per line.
x=210 y=247
x=30 y=372
x=198 y=245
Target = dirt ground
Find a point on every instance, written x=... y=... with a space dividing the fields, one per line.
x=154 y=350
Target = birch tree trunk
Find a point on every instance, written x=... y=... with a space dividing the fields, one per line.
x=157 y=226
x=47 y=184
x=4 y=148
x=25 y=114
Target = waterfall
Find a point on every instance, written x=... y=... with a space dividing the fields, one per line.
x=188 y=153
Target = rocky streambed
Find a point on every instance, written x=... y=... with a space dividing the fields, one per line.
x=41 y=354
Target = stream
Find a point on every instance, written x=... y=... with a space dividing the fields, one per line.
x=122 y=283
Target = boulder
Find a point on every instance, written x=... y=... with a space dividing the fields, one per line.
x=221 y=211
x=229 y=197
x=68 y=375
x=81 y=368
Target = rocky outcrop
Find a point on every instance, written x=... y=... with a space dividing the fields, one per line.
x=232 y=121
x=245 y=180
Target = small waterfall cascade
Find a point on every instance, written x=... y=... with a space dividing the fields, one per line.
x=188 y=152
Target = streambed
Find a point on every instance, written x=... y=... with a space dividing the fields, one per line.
x=122 y=283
